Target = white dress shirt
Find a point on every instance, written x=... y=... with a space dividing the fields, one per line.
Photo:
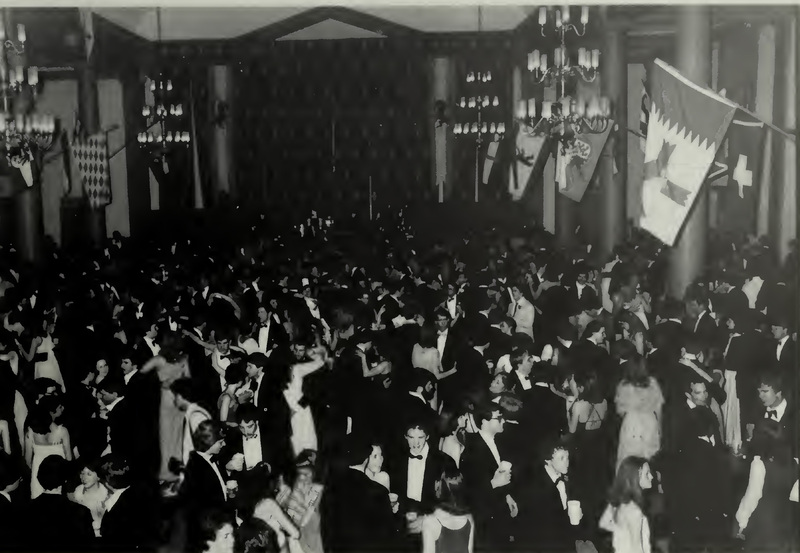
x=416 y=475
x=251 y=447
x=779 y=411
x=492 y=446
x=113 y=497
x=697 y=323
x=441 y=340
x=214 y=467
x=258 y=389
x=452 y=304
x=561 y=486
x=781 y=343
x=751 y=289
x=579 y=288
x=128 y=376
x=155 y=349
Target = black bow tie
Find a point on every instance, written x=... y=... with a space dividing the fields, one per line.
x=561 y=479
x=417 y=457
x=772 y=413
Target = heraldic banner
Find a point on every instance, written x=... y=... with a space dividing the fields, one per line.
x=686 y=126
x=91 y=159
x=576 y=165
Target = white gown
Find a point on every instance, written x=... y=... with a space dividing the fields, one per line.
x=39 y=453
x=304 y=435
x=48 y=368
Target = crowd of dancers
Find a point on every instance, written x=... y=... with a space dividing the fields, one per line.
x=327 y=388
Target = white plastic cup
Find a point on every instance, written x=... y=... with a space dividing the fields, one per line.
x=574 y=512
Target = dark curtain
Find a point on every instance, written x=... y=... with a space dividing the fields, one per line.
x=317 y=119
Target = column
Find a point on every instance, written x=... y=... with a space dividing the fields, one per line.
x=443 y=74
x=29 y=215
x=89 y=116
x=784 y=189
x=222 y=144
x=693 y=56
x=614 y=85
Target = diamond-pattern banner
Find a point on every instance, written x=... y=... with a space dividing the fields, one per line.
x=91 y=160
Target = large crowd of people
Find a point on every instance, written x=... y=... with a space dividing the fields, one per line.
x=330 y=388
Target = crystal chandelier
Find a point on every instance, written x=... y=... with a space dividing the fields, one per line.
x=567 y=116
x=162 y=111
x=22 y=134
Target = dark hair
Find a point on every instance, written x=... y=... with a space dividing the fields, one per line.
x=485 y=411
x=442 y=313
x=255 y=536
x=592 y=328
x=247 y=413
x=419 y=378
x=634 y=371
x=51 y=404
x=427 y=336
x=550 y=445
x=691 y=379
x=592 y=392
x=453 y=494
x=507 y=383
x=258 y=359
x=773 y=379
x=185 y=388
x=112 y=385
x=626 y=487
x=115 y=472
x=204 y=529
x=40 y=419
x=52 y=472
x=236 y=373
x=207 y=434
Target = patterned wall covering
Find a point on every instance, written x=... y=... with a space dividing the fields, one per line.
x=316 y=119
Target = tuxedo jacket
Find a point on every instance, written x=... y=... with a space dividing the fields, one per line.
x=669 y=336
x=143 y=393
x=132 y=523
x=544 y=523
x=789 y=424
x=234 y=444
x=398 y=473
x=452 y=348
x=543 y=412
x=478 y=467
x=124 y=431
x=707 y=330
x=201 y=489
x=787 y=363
x=66 y=526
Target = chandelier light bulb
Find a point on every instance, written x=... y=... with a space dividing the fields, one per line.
x=521 y=113
x=485 y=102
x=543 y=62
x=542 y=16
x=474 y=128
x=488 y=76
x=496 y=101
x=605 y=106
x=565 y=105
x=501 y=128
x=172 y=109
x=463 y=103
x=457 y=128
x=470 y=77
x=484 y=128
x=547 y=110
x=471 y=103
x=179 y=110
x=2 y=29
x=169 y=136
x=185 y=135
x=169 y=86
x=21 y=33
x=584 y=15
x=3 y=123
x=580 y=107
x=150 y=137
x=152 y=86
x=558 y=18
x=595 y=59
x=146 y=111
x=33 y=76
x=531 y=108
x=565 y=15
x=492 y=128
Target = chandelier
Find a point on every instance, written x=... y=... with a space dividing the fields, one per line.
x=162 y=111
x=483 y=119
x=567 y=116
x=22 y=134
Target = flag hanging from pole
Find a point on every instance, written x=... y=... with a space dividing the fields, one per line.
x=91 y=160
x=577 y=164
x=531 y=153
x=491 y=155
x=686 y=126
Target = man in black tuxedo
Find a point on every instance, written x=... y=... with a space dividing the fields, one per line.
x=544 y=522
x=67 y=525
x=777 y=407
x=487 y=478
x=121 y=417
x=204 y=479
x=785 y=348
x=10 y=526
x=131 y=519
x=144 y=392
x=256 y=364
x=668 y=334
x=254 y=447
x=447 y=341
x=414 y=474
x=700 y=318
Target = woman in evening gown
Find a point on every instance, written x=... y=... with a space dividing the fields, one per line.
x=44 y=438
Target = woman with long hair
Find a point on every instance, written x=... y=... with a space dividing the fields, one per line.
x=639 y=402
x=45 y=437
x=91 y=492
x=450 y=528
x=624 y=517
x=213 y=532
